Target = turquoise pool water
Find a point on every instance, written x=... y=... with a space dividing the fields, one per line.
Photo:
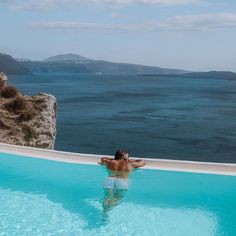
x=42 y=197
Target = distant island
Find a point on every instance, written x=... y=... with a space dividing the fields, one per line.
x=228 y=75
x=73 y=63
x=9 y=65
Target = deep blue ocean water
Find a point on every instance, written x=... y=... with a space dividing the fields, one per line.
x=157 y=117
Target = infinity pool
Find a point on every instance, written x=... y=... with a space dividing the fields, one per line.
x=42 y=197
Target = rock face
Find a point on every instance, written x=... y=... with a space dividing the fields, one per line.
x=3 y=79
x=27 y=120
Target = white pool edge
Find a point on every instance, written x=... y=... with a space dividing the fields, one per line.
x=158 y=164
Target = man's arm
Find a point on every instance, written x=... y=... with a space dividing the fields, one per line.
x=138 y=163
x=104 y=160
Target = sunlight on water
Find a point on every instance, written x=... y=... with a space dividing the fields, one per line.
x=27 y=214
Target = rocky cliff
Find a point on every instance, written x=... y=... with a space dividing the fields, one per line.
x=27 y=120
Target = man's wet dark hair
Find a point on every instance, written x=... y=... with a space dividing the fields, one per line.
x=120 y=154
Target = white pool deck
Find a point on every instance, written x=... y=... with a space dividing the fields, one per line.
x=158 y=164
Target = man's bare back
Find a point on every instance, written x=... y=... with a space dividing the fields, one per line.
x=121 y=168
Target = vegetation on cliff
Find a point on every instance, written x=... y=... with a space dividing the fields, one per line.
x=27 y=120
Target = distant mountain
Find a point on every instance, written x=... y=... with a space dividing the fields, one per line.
x=72 y=63
x=66 y=58
x=9 y=65
x=55 y=67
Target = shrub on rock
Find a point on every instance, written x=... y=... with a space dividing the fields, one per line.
x=9 y=92
x=19 y=103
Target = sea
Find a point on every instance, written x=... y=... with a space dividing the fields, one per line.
x=150 y=116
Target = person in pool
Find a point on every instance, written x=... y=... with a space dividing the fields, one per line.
x=117 y=183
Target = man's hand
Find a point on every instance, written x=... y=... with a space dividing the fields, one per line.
x=138 y=163
x=104 y=160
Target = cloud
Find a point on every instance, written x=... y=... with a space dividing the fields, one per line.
x=84 y=26
x=49 y=4
x=178 y=23
x=201 y=22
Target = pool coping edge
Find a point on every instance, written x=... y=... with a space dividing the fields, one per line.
x=157 y=164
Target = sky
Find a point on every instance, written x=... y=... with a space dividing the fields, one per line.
x=197 y=35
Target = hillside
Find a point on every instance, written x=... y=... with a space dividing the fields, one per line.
x=54 y=67
x=8 y=65
x=72 y=63
x=66 y=57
